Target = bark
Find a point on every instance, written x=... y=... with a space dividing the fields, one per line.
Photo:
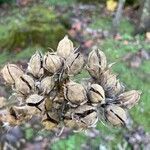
x=144 y=17
x=118 y=16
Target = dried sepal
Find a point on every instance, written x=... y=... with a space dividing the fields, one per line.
x=47 y=84
x=75 y=93
x=128 y=99
x=65 y=47
x=74 y=63
x=115 y=115
x=52 y=62
x=35 y=65
x=11 y=72
x=96 y=94
x=96 y=63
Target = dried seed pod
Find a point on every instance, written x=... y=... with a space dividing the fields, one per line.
x=47 y=84
x=11 y=72
x=34 y=100
x=24 y=84
x=96 y=94
x=75 y=124
x=52 y=62
x=128 y=99
x=54 y=116
x=65 y=47
x=85 y=116
x=96 y=63
x=117 y=89
x=74 y=63
x=108 y=80
x=115 y=115
x=35 y=65
x=75 y=93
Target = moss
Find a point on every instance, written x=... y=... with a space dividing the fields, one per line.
x=40 y=27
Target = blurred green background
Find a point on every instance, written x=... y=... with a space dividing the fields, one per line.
x=28 y=25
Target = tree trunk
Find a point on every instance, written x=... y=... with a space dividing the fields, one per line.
x=144 y=17
x=117 y=18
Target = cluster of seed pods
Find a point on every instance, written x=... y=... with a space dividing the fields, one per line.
x=46 y=89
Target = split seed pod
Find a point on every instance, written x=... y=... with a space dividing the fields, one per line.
x=115 y=115
x=128 y=99
x=34 y=100
x=108 y=80
x=75 y=93
x=11 y=72
x=47 y=84
x=35 y=65
x=96 y=63
x=65 y=47
x=52 y=62
x=85 y=116
x=24 y=85
x=74 y=63
x=96 y=94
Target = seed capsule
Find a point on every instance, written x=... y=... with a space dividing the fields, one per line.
x=35 y=65
x=96 y=63
x=74 y=63
x=84 y=116
x=34 y=100
x=47 y=84
x=11 y=72
x=75 y=93
x=108 y=80
x=24 y=85
x=65 y=47
x=115 y=115
x=128 y=99
x=52 y=63
x=96 y=94
x=117 y=89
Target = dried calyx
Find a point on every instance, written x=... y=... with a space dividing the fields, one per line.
x=46 y=90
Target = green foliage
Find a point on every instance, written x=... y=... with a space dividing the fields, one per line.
x=60 y=2
x=29 y=133
x=39 y=27
x=6 y=1
x=73 y=142
x=105 y=23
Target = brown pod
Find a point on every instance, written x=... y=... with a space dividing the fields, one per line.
x=52 y=62
x=128 y=99
x=47 y=84
x=115 y=115
x=74 y=63
x=35 y=65
x=11 y=72
x=96 y=94
x=24 y=85
x=65 y=47
x=75 y=93
x=96 y=63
